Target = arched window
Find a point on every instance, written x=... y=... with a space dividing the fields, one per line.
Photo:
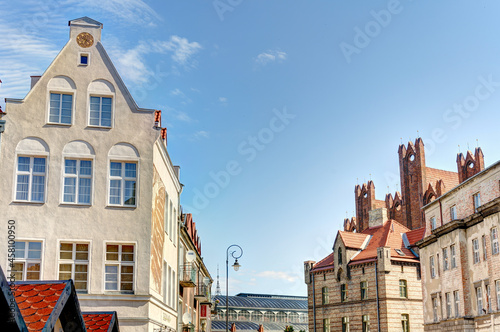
x=101 y=103
x=123 y=175
x=77 y=173
x=61 y=95
x=31 y=170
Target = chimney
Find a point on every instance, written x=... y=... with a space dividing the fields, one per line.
x=308 y=265
x=34 y=79
x=378 y=217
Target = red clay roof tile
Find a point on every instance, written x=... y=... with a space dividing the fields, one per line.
x=353 y=240
x=325 y=263
x=415 y=235
x=99 y=321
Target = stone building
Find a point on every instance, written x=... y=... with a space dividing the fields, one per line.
x=460 y=252
x=370 y=282
x=263 y=312
x=195 y=282
x=89 y=184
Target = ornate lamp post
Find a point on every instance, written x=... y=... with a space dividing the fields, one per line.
x=236 y=267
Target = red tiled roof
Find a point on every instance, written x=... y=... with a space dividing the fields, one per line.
x=101 y=321
x=388 y=235
x=36 y=302
x=353 y=240
x=325 y=263
x=415 y=235
x=450 y=179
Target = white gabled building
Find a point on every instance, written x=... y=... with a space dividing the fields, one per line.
x=87 y=178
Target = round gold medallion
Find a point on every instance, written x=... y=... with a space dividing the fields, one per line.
x=85 y=39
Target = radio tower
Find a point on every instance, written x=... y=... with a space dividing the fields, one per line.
x=217 y=290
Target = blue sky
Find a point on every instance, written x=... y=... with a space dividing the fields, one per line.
x=276 y=109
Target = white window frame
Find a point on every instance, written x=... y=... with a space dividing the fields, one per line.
x=494 y=241
x=77 y=176
x=30 y=173
x=79 y=62
x=497 y=285
x=119 y=263
x=100 y=96
x=453 y=212
x=453 y=256
x=475 y=251
x=365 y=323
x=433 y=267
x=446 y=263
x=73 y=261
x=25 y=260
x=456 y=298
x=483 y=243
x=122 y=180
x=433 y=223
x=448 y=305
x=476 y=199
x=479 y=300
x=61 y=92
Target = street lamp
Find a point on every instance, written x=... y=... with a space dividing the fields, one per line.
x=236 y=267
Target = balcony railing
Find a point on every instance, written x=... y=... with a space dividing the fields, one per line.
x=202 y=293
x=187 y=276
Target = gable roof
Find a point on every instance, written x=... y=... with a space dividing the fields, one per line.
x=353 y=240
x=85 y=21
x=10 y=315
x=415 y=235
x=324 y=264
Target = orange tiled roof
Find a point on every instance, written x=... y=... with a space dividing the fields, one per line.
x=353 y=240
x=324 y=264
x=100 y=321
x=415 y=235
x=36 y=302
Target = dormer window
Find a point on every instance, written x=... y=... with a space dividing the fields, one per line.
x=400 y=252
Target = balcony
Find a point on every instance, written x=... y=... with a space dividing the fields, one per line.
x=187 y=275
x=202 y=293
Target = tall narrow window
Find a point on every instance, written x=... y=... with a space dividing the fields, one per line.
x=477 y=201
x=446 y=265
x=435 y=308
x=340 y=256
x=453 y=212
x=30 y=179
x=403 y=290
x=366 y=323
x=456 y=296
x=122 y=183
x=343 y=292
x=405 y=323
x=479 y=299
x=326 y=325
x=324 y=295
x=497 y=283
x=61 y=106
x=475 y=251
x=345 y=324
x=448 y=305
x=494 y=241
x=483 y=241
x=74 y=264
x=453 y=256
x=100 y=111
x=119 y=268
x=28 y=260
x=433 y=269
x=77 y=181
x=433 y=223
x=364 y=290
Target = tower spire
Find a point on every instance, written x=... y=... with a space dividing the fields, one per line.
x=217 y=290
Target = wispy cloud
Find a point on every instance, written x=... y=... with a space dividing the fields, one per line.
x=201 y=134
x=278 y=275
x=270 y=56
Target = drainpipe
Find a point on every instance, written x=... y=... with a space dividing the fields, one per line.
x=314 y=302
x=378 y=304
x=441 y=212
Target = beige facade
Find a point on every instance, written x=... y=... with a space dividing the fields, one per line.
x=460 y=255
x=78 y=158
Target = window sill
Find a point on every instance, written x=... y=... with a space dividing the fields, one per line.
x=28 y=202
x=55 y=124
x=98 y=127
x=74 y=204
x=126 y=207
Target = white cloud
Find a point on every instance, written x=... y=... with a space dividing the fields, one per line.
x=279 y=275
x=270 y=56
x=201 y=134
x=182 y=49
x=223 y=100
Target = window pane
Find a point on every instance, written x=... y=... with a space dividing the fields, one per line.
x=129 y=193
x=115 y=169
x=111 y=277
x=85 y=167
x=84 y=191
x=38 y=189
x=69 y=190
x=23 y=164
x=39 y=165
x=20 y=249
x=33 y=271
x=112 y=252
x=128 y=253
x=35 y=250
x=115 y=192
x=22 y=187
x=130 y=170
x=70 y=166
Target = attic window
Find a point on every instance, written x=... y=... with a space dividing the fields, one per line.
x=83 y=59
x=400 y=252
